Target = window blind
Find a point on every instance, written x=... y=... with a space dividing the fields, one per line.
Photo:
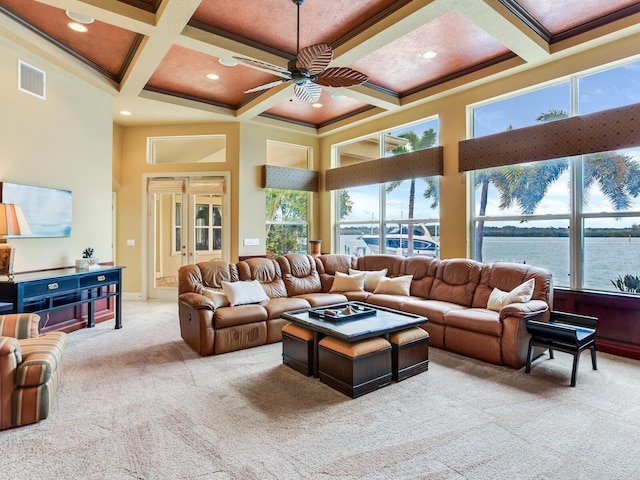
x=603 y=131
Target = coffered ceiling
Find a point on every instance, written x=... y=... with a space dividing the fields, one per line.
x=154 y=56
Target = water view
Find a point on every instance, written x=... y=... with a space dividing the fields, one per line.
x=606 y=258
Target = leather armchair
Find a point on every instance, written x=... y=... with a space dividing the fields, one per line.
x=30 y=369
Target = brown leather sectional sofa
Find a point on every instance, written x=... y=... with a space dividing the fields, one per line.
x=451 y=293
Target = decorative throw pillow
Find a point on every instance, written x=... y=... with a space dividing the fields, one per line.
x=348 y=283
x=371 y=278
x=395 y=285
x=244 y=292
x=218 y=298
x=520 y=294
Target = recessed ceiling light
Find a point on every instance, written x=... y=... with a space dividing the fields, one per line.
x=228 y=62
x=212 y=76
x=76 y=17
x=125 y=113
x=430 y=54
x=316 y=105
x=77 y=27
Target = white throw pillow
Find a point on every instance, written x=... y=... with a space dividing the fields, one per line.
x=348 y=283
x=520 y=294
x=219 y=299
x=244 y=292
x=371 y=278
x=395 y=285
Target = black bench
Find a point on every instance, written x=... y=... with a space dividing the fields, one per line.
x=567 y=332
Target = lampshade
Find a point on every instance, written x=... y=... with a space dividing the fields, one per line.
x=12 y=221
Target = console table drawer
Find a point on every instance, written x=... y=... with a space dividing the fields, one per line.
x=98 y=279
x=50 y=287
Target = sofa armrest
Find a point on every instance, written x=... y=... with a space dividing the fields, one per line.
x=526 y=309
x=197 y=301
x=10 y=346
x=515 y=337
x=20 y=325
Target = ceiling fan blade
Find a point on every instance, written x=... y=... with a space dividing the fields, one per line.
x=264 y=66
x=308 y=92
x=341 y=77
x=315 y=59
x=266 y=86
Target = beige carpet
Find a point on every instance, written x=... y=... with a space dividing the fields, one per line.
x=138 y=403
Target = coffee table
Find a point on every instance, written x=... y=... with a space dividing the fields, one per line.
x=380 y=323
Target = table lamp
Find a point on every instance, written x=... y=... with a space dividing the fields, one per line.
x=12 y=222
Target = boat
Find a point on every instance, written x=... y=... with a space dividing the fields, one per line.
x=397 y=241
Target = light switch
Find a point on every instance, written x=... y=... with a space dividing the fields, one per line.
x=251 y=242
x=131 y=243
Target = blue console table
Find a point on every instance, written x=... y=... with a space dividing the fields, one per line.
x=67 y=299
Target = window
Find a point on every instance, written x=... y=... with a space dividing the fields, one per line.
x=578 y=216
x=207 y=227
x=286 y=213
x=399 y=217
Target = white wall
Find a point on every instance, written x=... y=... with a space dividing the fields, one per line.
x=62 y=142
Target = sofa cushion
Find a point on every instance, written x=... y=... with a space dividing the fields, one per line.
x=267 y=272
x=456 y=280
x=506 y=276
x=521 y=294
x=218 y=298
x=323 y=299
x=239 y=315
x=348 y=283
x=371 y=278
x=394 y=286
x=299 y=274
x=478 y=320
x=277 y=306
x=393 y=264
x=434 y=310
x=244 y=292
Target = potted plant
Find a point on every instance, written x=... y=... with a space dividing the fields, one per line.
x=88 y=260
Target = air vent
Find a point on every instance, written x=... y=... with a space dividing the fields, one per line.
x=31 y=80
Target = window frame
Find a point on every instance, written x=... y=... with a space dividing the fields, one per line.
x=383 y=222
x=576 y=217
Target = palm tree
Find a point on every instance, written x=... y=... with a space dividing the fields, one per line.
x=426 y=140
x=617 y=175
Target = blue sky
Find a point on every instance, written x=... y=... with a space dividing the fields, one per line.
x=599 y=91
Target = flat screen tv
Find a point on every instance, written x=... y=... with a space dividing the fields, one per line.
x=47 y=210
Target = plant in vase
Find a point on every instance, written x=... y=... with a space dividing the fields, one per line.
x=88 y=260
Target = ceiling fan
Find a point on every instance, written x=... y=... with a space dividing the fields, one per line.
x=308 y=71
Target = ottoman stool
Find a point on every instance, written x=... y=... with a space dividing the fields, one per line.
x=297 y=348
x=354 y=368
x=409 y=352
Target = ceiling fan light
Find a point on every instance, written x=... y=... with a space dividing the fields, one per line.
x=77 y=27
x=77 y=17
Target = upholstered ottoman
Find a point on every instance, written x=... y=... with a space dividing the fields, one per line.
x=354 y=368
x=409 y=352
x=297 y=348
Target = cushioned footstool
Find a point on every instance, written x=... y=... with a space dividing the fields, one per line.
x=354 y=368
x=297 y=348
x=409 y=352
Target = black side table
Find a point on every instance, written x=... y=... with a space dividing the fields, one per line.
x=567 y=332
